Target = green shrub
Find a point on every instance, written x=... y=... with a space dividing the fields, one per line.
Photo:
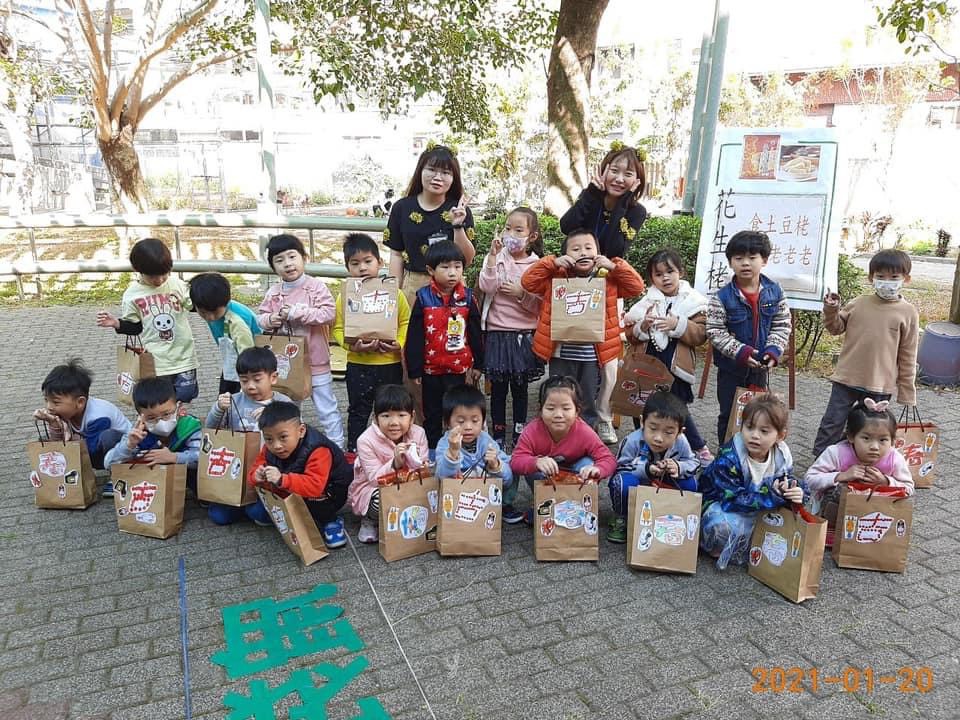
x=923 y=248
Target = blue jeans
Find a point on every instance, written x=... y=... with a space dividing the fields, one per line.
x=227 y=514
x=510 y=492
x=620 y=485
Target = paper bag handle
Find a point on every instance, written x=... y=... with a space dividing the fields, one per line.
x=911 y=415
x=133 y=344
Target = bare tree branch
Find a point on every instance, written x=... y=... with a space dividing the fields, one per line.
x=49 y=28
x=108 y=35
x=99 y=78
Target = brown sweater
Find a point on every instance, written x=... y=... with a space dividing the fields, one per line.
x=879 y=351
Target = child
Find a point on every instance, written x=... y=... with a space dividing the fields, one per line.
x=392 y=443
x=370 y=363
x=467 y=446
x=670 y=321
x=304 y=305
x=155 y=306
x=748 y=322
x=69 y=410
x=434 y=208
x=866 y=456
x=509 y=317
x=444 y=341
x=558 y=437
x=752 y=472
x=657 y=451
x=257 y=369
x=584 y=362
x=302 y=460
x=608 y=205
x=873 y=362
x=232 y=324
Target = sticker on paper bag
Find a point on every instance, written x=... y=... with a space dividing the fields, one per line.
x=413 y=521
x=432 y=499
x=669 y=529
x=279 y=519
x=645 y=539
x=849 y=526
x=71 y=477
x=141 y=496
x=469 y=506
x=496 y=497
x=35 y=479
x=547 y=526
x=901 y=527
x=872 y=527
x=393 y=519
x=646 y=513
x=773 y=519
x=448 y=506
x=775 y=548
x=590 y=524
x=219 y=461
x=146 y=517
x=491 y=521
x=755 y=555
x=568 y=514
x=693 y=524
x=52 y=464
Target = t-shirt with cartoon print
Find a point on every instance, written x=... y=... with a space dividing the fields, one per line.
x=166 y=333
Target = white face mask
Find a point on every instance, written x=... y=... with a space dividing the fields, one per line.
x=513 y=244
x=888 y=289
x=162 y=427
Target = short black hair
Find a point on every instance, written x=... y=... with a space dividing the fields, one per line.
x=256 y=359
x=392 y=398
x=894 y=261
x=154 y=391
x=561 y=382
x=749 y=242
x=357 y=243
x=665 y=256
x=209 y=291
x=445 y=251
x=281 y=243
x=859 y=416
x=576 y=232
x=151 y=257
x=277 y=412
x=466 y=396
x=665 y=404
x=71 y=379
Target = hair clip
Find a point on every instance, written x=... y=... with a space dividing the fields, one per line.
x=433 y=145
x=875 y=406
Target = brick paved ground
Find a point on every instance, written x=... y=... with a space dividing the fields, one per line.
x=91 y=627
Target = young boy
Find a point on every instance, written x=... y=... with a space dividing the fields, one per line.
x=232 y=324
x=657 y=451
x=593 y=366
x=748 y=322
x=879 y=352
x=155 y=306
x=305 y=305
x=303 y=461
x=468 y=446
x=257 y=369
x=370 y=363
x=70 y=410
x=444 y=339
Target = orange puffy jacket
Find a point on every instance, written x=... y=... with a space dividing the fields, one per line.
x=622 y=282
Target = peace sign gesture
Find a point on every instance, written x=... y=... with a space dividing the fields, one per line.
x=458 y=213
x=598 y=179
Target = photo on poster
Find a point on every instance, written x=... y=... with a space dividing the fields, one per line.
x=759 y=157
x=799 y=163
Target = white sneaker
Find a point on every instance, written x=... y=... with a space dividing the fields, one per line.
x=369 y=531
x=606 y=432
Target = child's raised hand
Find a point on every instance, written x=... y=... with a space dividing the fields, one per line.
x=399 y=455
x=496 y=245
x=548 y=466
x=604 y=262
x=136 y=435
x=491 y=459
x=648 y=319
x=851 y=474
x=223 y=401
x=792 y=493
x=872 y=476
x=455 y=438
x=106 y=320
x=590 y=472
x=564 y=262
x=831 y=298
x=598 y=181
x=160 y=456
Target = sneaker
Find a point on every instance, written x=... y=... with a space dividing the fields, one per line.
x=107 y=490
x=608 y=436
x=704 y=456
x=333 y=534
x=369 y=531
x=617 y=532
x=511 y=516
x=517 y=429
x=528 y=517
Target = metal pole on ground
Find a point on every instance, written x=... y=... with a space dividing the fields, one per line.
x=696 y=129
x=267 y=201
x=718 y=50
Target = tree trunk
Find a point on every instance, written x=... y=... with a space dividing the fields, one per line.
x=123 y=164
x=568 y=101
x=17 y=124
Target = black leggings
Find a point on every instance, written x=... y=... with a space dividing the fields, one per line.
x=498 y=404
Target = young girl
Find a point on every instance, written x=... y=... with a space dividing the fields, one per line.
x=305 y=305
x=866 y=456
x=670 y=321
x=608 y=205
x=559 y=437
x=392 y=443
x=509 y=317
x=434 y=209
x=752 y=472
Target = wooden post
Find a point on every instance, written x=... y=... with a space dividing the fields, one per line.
x=707 y=362
x=792 y=351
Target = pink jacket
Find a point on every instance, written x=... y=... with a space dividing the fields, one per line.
x=502 y=312
x=374 y=460
x=822 y=475
x=312 y=312
x=535 y=442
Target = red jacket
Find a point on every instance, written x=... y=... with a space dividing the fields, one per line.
x=444 y=335
x=622 y=282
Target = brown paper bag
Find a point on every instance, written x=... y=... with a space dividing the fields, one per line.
x=149 y=499
x=918 y=442
x=61 y=473
x=873 y=528
x=663 y=529
x=786 y=551
x=293 y=363
x=578 y=309
x=226 y=457
x=741 y=397
x=133 y=364
x=471 y=516
x=297 y=527
x=565 y=519
x=638 y=375
x=369 y=308
x=408 y=514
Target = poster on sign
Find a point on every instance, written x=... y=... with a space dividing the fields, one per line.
x=780 y=182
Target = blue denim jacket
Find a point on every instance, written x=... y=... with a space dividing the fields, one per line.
x=740 y=320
